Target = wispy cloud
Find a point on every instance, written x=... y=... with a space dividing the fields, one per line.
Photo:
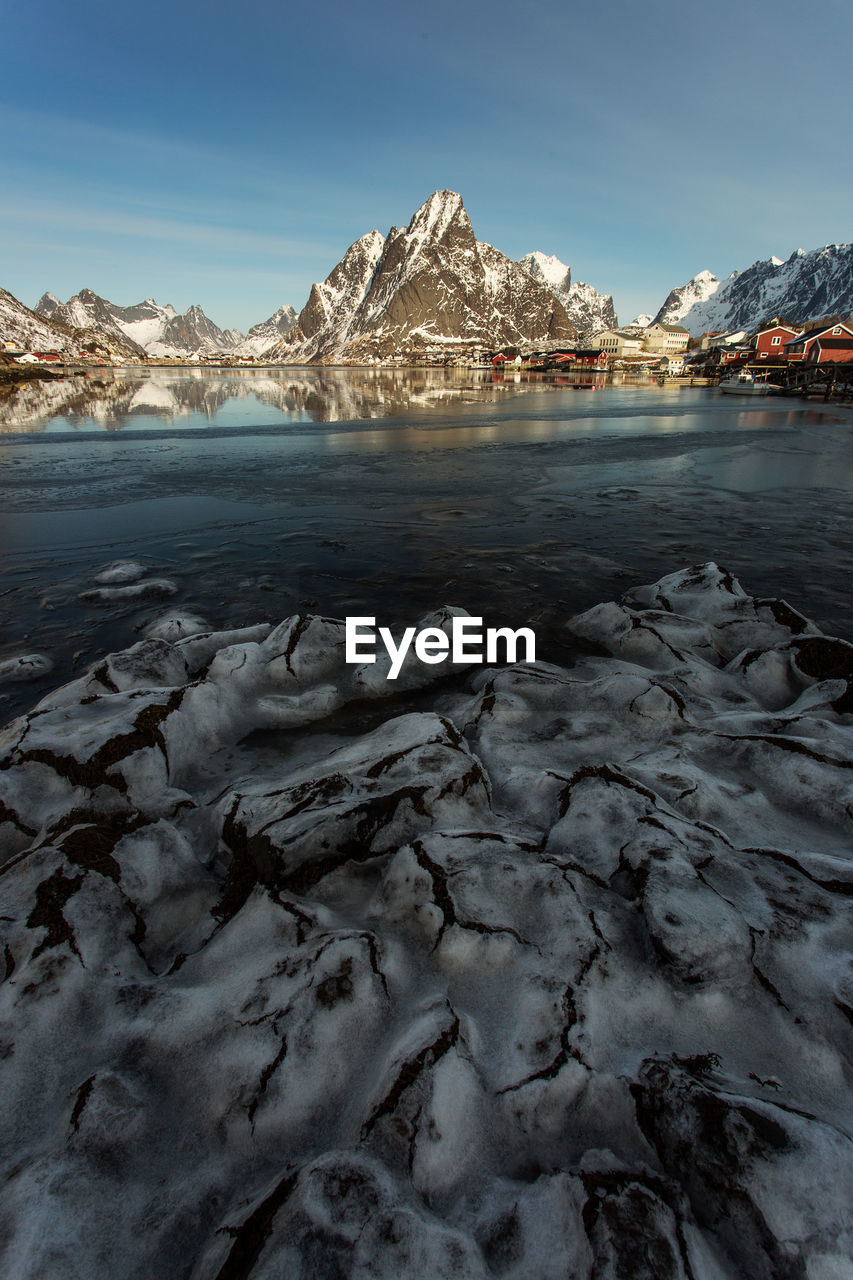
x=64 y=218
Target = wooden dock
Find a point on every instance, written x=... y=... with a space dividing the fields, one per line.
x=830 y=381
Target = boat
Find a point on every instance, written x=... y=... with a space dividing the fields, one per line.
x=744 y=384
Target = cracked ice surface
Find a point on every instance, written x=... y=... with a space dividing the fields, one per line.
x=545 y=976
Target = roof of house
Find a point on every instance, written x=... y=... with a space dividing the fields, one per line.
x=670 y=328
x=815 y=333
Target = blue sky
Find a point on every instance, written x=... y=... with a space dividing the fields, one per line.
x=228 y=154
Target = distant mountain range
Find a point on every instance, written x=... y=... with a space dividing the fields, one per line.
x=34 y=331
x=806 y=287
x=147 y=328
x=431 y=285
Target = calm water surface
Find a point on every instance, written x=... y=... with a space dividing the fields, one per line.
x=391 y=492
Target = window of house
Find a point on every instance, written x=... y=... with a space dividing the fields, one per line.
x=774 y=342
x=836 y=330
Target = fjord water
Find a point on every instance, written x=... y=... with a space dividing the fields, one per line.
x=390 y=492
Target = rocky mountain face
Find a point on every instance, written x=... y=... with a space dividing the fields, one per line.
x=680 y=302
x=534 y=974
x=808 y=286
x=148 y=328
x=431 y=284
x=48 y=330
x=47 y=305
x=261 y=337
x=588 y=310
x=31 y=330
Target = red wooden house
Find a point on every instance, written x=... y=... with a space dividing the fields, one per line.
x=770 y=342
x=734 y=355
x=819 y=346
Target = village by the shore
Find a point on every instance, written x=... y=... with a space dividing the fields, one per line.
x=658 y=349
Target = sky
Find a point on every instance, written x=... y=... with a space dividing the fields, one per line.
x=228 y=154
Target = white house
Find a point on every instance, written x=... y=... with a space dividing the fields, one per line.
x=666 y=339
x=618 y=342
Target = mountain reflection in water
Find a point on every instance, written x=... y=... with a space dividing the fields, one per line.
x=116 y=399
x=389 y=492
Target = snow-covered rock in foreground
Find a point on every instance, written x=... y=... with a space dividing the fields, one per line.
x=545 y=976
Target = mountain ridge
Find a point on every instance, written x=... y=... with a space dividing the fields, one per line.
x=33 y=331
x=806 y=286
x=148 y=328
x=588 y=310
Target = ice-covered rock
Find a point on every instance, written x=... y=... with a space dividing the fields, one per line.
x=536 y=972
x=119 y=573
x=24 y=666
x=176 y=624
x=147 y=589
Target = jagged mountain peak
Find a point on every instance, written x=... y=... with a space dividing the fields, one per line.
x=435 y=217
x=261 y=337
x=429 y=284
x=547 y=268
x=47 y=305
x=810 y=284
x=32 y=330
x=587 y=309
x=683 y=299
x=147 y=328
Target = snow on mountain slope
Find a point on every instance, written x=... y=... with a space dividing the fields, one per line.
x=47 y=305
x=325 y=322
x=807 y=286
x=261 y=337
x=429 y=284
x=35 y=332
x=148 y=327
x=549 y=270
x=30 y=330
x=588 y=310
x=681 y=301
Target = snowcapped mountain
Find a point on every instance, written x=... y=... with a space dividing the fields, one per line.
x=641 y=321
x=262 y=336
x=806 y=287
x=430 y=284
x=47 y=305
x=193 y=331
x=28 y=329
x=588 y=310
x=548 y=270
x=681 y=302
x=36 y=331
x=148 y=328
